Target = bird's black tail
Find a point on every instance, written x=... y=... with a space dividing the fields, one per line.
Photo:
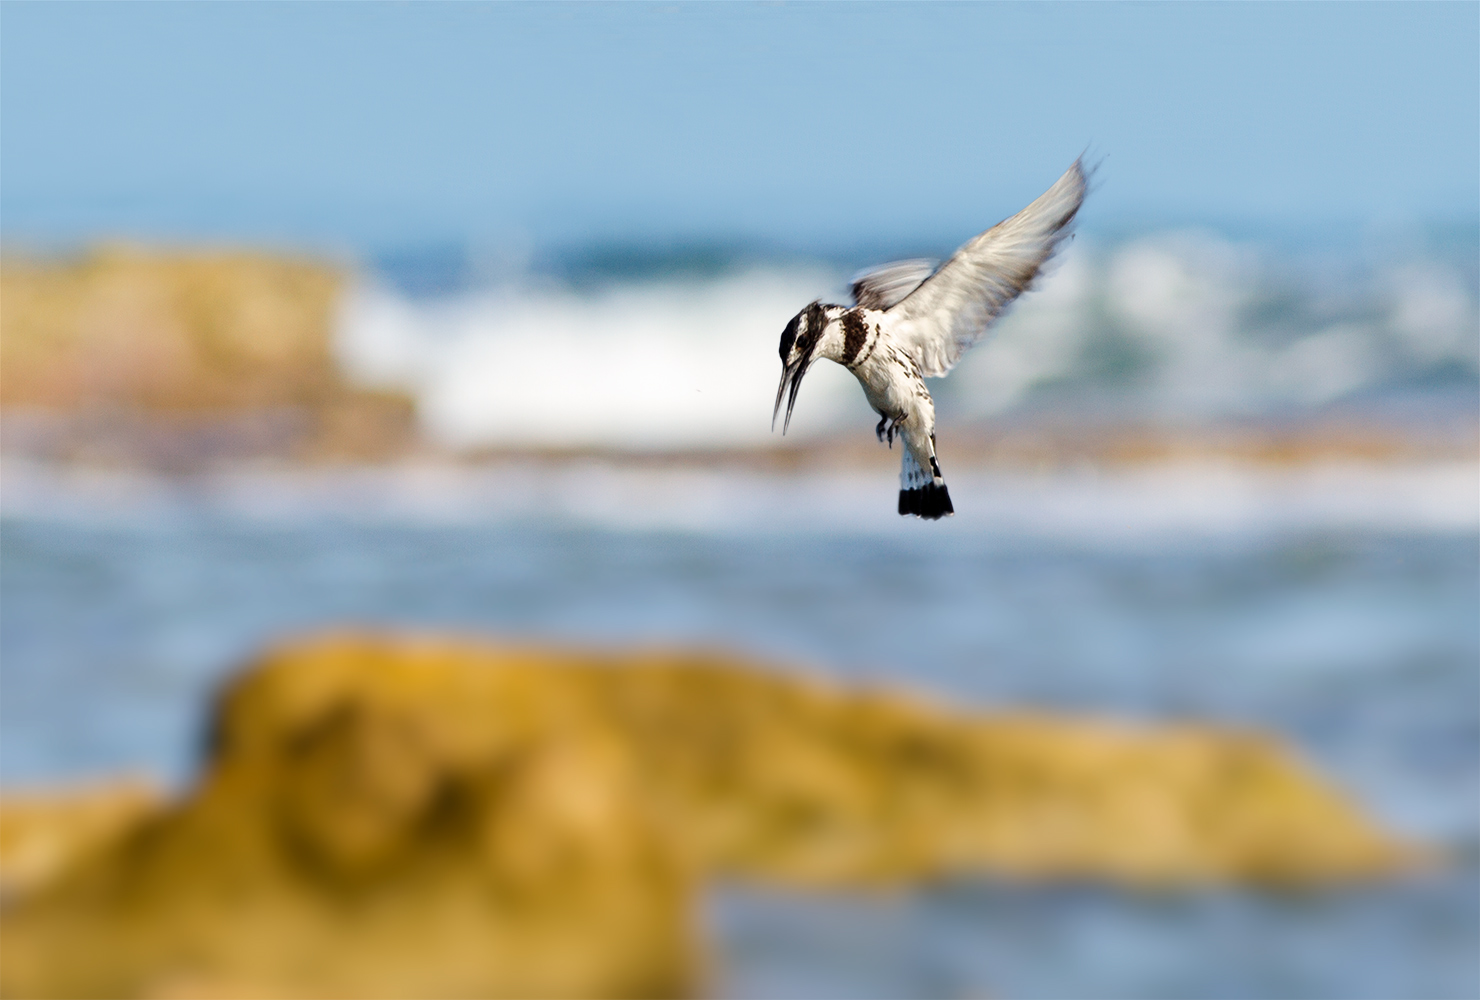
x=922 y=493
x=931 y=501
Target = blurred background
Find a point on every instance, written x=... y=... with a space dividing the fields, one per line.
x=465 y=316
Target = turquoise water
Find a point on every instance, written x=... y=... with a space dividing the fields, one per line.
x=1358 y=644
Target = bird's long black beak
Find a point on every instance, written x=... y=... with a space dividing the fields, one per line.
x=791 y=374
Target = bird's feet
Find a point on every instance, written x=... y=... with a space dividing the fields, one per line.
x=887 y=426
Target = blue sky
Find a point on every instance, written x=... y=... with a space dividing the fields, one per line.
x=374 y=125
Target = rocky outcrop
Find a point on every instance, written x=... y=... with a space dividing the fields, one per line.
x=44 y=833
x=179 y=358
x=386 y=816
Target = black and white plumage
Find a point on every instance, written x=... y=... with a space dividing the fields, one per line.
x=911 y=320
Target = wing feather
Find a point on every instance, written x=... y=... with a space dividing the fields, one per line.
x=952 y=308
x=884 y=286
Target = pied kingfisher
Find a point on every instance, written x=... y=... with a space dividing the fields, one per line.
x=912 y=320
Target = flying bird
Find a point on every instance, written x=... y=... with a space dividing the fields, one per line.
x=911 y=320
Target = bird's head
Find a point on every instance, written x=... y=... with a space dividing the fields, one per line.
x=799 y=343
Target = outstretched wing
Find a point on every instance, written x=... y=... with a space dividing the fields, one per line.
x=884 y=286
x=952 y=309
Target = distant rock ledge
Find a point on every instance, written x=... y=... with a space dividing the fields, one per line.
x=175 y=359
x=384 y=815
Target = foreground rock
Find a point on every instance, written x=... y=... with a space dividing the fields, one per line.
x=399 y=817
x=44 y=833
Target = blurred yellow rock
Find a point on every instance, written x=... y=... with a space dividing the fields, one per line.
x=45 y=832
x=367 y=849
x=775 y=778
x=163 y=341
x=403 y=816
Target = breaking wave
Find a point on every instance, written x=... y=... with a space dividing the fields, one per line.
x=1165 y=326
x=645 y=365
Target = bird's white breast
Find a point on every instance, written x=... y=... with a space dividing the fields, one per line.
x=887 y=372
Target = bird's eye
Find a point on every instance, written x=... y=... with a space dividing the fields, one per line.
x=789 y=337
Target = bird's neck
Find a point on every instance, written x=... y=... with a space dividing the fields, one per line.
x=830 y=343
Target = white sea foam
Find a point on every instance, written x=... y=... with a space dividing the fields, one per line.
x=648 y=365
x=1166 y=325
x=1207 y=327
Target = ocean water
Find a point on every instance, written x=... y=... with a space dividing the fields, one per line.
x=647 y=348
x=1338 y=606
